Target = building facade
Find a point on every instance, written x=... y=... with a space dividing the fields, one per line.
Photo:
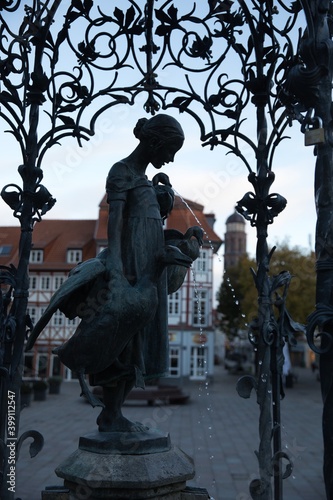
x=191 y=328
x=58 y=245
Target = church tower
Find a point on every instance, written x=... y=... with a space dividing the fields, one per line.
x=234 y=240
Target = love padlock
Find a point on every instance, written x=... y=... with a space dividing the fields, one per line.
x=315 y=134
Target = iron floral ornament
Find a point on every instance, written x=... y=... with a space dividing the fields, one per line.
x=252 y=205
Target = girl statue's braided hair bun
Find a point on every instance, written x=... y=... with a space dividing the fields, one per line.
x=159 y=126
x=137 y=131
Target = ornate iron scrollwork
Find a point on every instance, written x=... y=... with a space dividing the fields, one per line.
x=136 y=46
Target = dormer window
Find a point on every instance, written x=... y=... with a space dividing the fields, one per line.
x=5 y=250
x=36 y=256
x=74 y=256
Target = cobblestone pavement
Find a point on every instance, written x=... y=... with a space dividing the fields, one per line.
x=216 y=427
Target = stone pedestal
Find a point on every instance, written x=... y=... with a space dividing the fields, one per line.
x=190 y=493
x=131 y=465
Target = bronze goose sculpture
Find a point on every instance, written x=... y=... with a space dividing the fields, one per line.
x=189 y=244
x=111 y=312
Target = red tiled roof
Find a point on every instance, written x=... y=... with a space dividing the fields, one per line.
x=187 y=213
x=55 y=237
x=9 y=236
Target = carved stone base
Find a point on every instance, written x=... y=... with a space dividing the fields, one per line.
x=117 y=465
x=126 y=443
x=190 y=493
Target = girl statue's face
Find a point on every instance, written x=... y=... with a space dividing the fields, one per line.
x=164 y=151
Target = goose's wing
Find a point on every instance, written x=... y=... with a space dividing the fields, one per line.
x=70 y=294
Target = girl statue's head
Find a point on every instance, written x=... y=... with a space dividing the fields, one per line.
x=162 y=135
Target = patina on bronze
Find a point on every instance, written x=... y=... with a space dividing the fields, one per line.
x=123 y=340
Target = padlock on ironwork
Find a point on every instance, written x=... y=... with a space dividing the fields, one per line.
x=315 y=134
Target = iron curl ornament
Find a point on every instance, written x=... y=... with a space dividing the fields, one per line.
x=76 y=60
x=321 y=317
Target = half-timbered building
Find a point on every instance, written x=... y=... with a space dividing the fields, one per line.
x=58 y=245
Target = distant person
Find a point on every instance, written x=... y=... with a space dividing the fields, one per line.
x=314 y=366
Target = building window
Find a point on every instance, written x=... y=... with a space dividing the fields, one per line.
x=32 y=312
x=198 y=369
x=174 y=362
x=201 y=264
x=58 y=281
x=73 y=322
x=42 y=362
x=33 y=282
x=5 y=250
x=58 y=318
x=74 y=256
x=36 y=256
x=174 y=303
x=200 y=307
x=45 y=283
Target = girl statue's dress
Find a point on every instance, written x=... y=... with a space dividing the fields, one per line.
x=142 y=237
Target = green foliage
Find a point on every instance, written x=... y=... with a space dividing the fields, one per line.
x=237 y=296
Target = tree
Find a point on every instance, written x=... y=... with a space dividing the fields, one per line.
x=237 y=296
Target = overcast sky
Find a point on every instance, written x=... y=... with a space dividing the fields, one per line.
x=76 y=176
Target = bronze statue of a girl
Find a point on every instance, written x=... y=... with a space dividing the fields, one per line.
x=126 y=342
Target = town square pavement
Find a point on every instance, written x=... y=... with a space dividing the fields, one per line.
x=217 y=428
